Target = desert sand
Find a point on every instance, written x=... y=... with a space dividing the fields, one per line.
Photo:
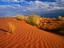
x=27 y=36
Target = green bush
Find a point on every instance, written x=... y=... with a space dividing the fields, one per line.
x=33 y=19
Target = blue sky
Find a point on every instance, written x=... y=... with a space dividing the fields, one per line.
x=20 y=1
x=26 y=7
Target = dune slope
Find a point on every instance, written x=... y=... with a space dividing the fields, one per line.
x=27 y=36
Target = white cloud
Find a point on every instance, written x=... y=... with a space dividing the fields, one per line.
x=13 y=0
x=44 y=5
x=35 y=7
x=60 y=0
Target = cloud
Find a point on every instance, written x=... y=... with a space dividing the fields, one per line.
x=60 y=0
x=13 y=0
x=32 y=7
x=59 y=4
x=44 y=5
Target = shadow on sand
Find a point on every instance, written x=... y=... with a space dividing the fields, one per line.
x=55 y=32
x=3 y=30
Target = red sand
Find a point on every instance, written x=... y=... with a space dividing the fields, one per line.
x=27 y=36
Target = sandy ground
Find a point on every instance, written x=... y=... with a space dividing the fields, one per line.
x=27 y=36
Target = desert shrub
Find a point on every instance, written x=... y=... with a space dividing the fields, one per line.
x=59 y=18
x=19 y=17
x=11 y=27
x=33 y=19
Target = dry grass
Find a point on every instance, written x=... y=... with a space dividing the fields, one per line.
x=11 y=27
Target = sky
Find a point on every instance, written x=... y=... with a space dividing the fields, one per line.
x=50 y=8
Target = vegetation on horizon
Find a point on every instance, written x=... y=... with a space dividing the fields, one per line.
x=19 y=17
x=43 y=23
x=33 y=19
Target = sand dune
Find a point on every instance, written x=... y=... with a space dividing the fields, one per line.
x=27 y=36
